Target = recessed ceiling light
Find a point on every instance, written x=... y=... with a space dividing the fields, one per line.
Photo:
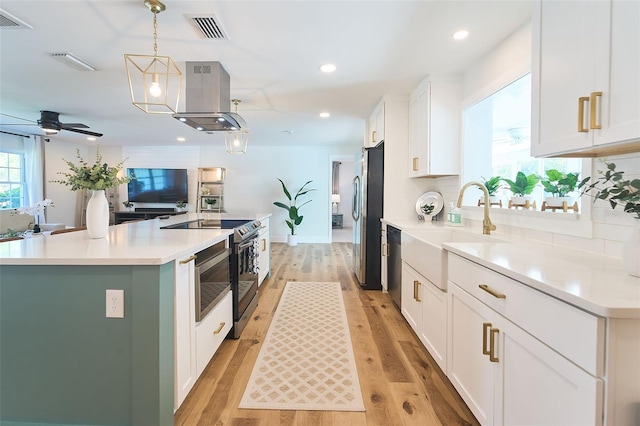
x=91 y=138
x=181 y=139
x=325 y=114
x=289 y=132
x=327 y=68
x=460 y=35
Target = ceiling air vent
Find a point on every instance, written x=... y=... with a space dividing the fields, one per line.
x=208 y=27
x=9 y=21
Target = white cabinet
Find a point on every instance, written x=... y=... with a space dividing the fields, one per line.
x=502 y=371
x=384 y=253
x=375 y=126
x=184 y=329
x=211 y=331
x=210 y=189
x=434 y=129
x=424 y=306
x=585 y=71
x=264 y=254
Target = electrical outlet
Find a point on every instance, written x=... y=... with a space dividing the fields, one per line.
x=115 y=303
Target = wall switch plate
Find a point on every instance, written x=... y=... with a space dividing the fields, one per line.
x=115 y=303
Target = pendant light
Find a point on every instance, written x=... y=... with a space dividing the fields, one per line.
x=236 y=141
x=155 y=81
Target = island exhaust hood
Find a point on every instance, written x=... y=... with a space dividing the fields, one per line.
x=208 y=99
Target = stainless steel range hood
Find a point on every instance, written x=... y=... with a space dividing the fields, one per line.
x=208 y=99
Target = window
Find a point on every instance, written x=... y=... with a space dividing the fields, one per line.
x=12 y=180
x=497 y=142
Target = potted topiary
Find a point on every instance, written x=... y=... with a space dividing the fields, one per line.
x=295 y=218
x=210 y=202
x=493 y=185
x=521 y=189
x=181 y=205
x=559 y=185
x=612 y=187
x=128 y=205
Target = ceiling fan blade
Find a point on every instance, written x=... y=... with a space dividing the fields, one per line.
x=84 y=132
x=74 y=125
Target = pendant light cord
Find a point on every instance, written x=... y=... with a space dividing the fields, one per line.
x=155 y=33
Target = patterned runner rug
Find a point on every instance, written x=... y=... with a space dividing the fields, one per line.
x=306 y=361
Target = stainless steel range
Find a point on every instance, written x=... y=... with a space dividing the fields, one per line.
x=243 y=264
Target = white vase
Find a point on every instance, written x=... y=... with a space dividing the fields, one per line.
x=292 y=240
x=631 y=251
x=557 y=201
x=97 y=214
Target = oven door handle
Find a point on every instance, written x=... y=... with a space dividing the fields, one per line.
x=207 y=264
x=248 y=243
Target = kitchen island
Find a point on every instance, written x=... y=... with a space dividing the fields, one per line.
x=61 y=360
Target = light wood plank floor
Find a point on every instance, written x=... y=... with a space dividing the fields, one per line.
x=401 y=384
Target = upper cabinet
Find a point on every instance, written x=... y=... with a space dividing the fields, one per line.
x=585 y=82
x=434 y=123
x=375 y=132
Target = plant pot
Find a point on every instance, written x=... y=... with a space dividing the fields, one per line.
x=97 y=215
x=521 y=200
x=292 y=240
x=631 y=251
x=557 y=201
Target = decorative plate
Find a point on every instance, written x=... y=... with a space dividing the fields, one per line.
x=429 y=204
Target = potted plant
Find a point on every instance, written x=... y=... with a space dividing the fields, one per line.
x=180 y=205
x=522 y=187
x=611 y=186
x=127 y=205
x=293 y=209
x=559 y=185
x=493 y=185
x=210 y=202
x=36 y=211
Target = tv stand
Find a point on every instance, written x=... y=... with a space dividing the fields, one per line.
x=143 y=214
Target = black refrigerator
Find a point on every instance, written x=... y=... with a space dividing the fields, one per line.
x=366 y=211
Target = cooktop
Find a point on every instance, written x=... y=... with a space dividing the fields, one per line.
x=208 y=224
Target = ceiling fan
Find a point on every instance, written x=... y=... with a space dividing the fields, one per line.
x=50 y=123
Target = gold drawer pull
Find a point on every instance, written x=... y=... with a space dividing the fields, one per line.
x=373 y=136
x=220 y=327
x=264 y=244
x=384 y=249
x=485 y=327
x=492 y=292
x=581 y=101
x=492 y=342
x=415 y=164
x=593 y=116
x=187 y=260
x=416 y=284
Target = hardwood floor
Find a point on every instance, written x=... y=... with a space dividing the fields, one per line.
x=401 y=384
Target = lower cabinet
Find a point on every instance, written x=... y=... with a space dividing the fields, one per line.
x=264 y=256
x=507 y=376
x=211 y=331
x=384 y=252
x=184 y=329
x=424 y=306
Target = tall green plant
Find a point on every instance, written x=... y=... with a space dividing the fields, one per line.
x=292 y=208
x=559 y=184
x=523 y=185
x=492 y=184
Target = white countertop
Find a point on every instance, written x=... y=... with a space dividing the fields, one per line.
x=596 y=283
x=133 y=243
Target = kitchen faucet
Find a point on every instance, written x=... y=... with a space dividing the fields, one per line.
x=487 y=226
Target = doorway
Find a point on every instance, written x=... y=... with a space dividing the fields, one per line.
x=341 y=190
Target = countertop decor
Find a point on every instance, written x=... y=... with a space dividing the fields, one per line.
x=36 y=210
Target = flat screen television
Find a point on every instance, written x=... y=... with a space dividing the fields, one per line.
x=157 y=185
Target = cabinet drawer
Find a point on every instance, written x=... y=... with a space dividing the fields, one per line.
x=211 y=331
x=574 y=333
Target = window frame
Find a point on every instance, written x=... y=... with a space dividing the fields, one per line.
x=23 y=178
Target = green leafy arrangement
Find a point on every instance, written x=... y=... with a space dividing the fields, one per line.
x=295 y=218
x=212 y=201
x=97 y=176
x=492 y=184
x=559 y=184
x=612 y=187
x=181 y=204
x=127 y=203
x=523 y=185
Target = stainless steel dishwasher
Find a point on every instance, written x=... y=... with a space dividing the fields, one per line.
x=394 y=266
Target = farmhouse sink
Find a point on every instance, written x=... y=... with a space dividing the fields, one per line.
x=422 y=250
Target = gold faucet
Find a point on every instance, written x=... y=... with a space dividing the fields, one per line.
x=487 y=226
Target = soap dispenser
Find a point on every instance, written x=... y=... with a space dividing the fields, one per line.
x=454 y=217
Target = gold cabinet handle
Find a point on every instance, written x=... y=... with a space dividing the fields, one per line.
x=188 y=259
x=415 y=164
x=593 y=109
x=492 y=292
x=373 y=136
x=384 y=249
x=581 y=101
x=416 y=284
x=485 y=328
x=219 y=329
x=264 y=244
x=492 y=343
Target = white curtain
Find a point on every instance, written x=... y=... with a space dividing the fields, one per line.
x=34 y=172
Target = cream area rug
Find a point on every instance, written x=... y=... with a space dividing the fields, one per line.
x=306 y=361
